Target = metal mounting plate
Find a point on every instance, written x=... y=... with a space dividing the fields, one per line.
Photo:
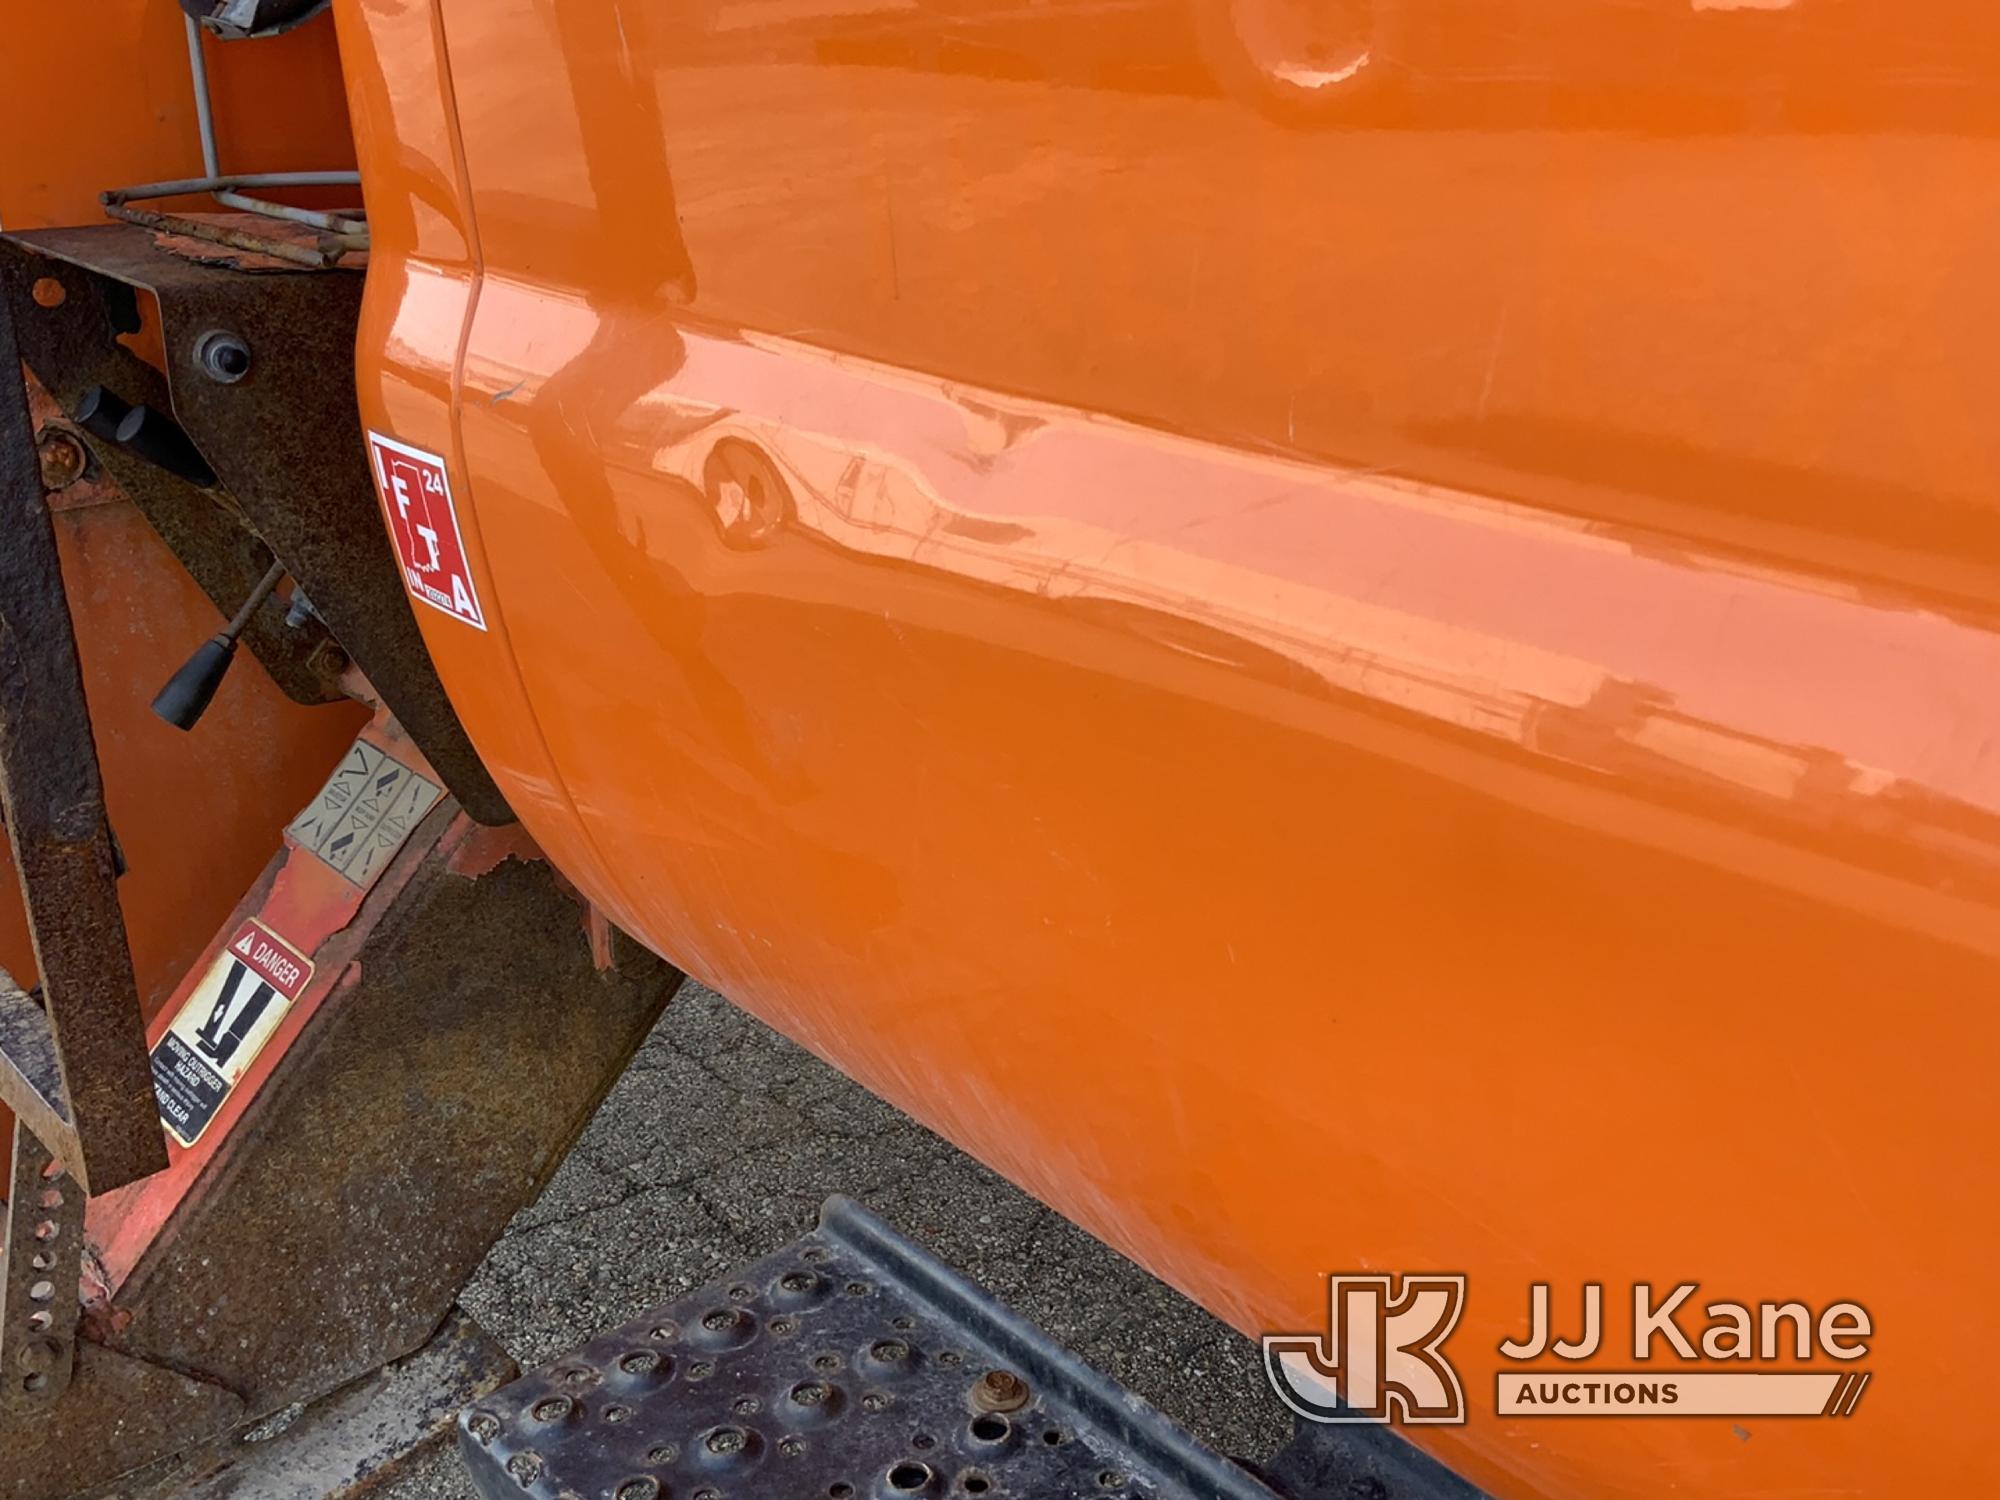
x=849 y=1364
x=284 y=442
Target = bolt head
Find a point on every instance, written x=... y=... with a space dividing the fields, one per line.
x=999 y=1390
x=63 y=458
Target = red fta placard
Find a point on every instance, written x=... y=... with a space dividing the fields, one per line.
x=416 y=494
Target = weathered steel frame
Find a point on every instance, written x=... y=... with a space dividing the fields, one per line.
x=75 y=1067
x=284 y=441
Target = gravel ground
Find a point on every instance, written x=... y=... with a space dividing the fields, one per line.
x=718 y=1146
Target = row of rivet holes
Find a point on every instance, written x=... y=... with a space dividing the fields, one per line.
x=41 y=1322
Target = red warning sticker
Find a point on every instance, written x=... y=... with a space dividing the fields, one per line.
x=269 y=956
x=417 y=495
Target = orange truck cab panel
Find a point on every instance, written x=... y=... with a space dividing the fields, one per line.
x=1401 y=682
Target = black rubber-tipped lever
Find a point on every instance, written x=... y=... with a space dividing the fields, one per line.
x=143 y=432
x=186 y=696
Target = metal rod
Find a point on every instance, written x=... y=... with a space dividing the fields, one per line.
x=257 y=596
x=315 y=218
x=204 y=109
x=185 y=186
x=223 y=234
x=350 y=227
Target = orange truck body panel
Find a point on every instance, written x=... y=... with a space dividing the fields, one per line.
x=1403 y=694
x=1412 y=692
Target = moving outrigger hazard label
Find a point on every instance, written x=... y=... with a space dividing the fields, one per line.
x=225 y=1023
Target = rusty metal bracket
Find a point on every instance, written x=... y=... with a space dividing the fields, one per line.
x=283 y=438
x=214 y=544
x=76 y=1067
x=39 y=1302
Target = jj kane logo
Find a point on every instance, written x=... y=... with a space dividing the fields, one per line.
x=1383 y=1359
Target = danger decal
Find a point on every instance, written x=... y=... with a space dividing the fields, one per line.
x=224 y=1024
x=416 y=494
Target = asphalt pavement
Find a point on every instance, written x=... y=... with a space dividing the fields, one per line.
x=718 y=1146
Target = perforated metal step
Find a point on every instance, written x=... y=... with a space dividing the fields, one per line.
x=848 y=1366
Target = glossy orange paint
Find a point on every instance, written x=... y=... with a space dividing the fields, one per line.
x=1394 y=680
x=91 y=98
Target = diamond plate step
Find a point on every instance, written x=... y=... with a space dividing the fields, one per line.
x=848 y=1366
